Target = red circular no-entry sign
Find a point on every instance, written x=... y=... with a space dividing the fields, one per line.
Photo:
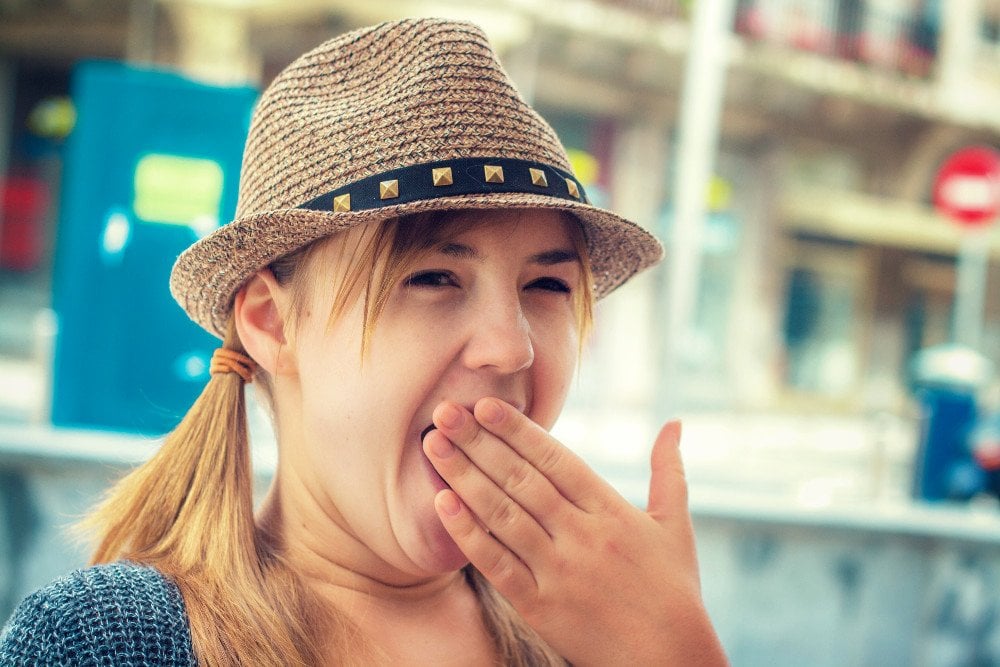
x=967 y=186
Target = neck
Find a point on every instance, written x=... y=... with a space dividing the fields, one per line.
x=339 y=566
x=397 y=614
x=400 y=619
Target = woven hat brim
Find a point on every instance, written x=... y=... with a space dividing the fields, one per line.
x=207 y=276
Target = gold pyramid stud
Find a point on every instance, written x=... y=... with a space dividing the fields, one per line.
x=441 y=176
x=571 y=186
x=538 y=177
x=342 y=204
x=388 y=189
x=494 y=174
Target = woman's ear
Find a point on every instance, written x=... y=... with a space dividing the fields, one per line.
x=259 y=310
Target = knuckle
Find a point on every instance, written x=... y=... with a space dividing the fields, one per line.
x=549 y=458
x=502 y=571
x=476 y=437
x=520 y=477
x=504 y=514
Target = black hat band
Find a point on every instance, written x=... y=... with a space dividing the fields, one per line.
x=463 y=176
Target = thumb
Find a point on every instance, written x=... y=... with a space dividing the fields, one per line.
x=667 y=485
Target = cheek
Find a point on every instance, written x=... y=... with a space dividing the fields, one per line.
x=556 y=353
x=329 y=363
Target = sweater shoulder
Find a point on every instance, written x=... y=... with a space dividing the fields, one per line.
x=119 y=613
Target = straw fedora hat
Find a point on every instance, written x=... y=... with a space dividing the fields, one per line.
x=404 y=117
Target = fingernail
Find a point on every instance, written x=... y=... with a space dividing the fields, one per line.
x=442 y=447
x=491 y=412
x=449 y=503
x=451 y=417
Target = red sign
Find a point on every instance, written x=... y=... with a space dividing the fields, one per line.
x=967 y=187
x=23 y=201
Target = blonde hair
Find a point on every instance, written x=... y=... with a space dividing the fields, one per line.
x=189 y=512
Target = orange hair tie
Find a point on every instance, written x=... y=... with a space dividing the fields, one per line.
x=231 y=361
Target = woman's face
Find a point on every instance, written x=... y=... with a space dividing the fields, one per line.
x=488 y=313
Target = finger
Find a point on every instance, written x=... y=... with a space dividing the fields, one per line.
x=511 y=472
x=499 y=565
x=567 y=472
x=667 y=484
x=500 y=514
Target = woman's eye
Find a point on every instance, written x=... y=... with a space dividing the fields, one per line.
x=550 y=285
x=431 y=279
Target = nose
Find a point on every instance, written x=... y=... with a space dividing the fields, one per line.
x=500 y=337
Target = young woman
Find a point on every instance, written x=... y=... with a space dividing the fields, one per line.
x=407 y=283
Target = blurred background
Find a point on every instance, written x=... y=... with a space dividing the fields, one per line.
x=824 y=175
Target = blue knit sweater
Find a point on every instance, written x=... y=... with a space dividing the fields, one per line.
x=120 y=614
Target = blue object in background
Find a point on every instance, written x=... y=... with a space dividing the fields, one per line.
x=945 y=467
x=947 y=379
x=152 y=164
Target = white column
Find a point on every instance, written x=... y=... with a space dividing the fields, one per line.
x=698 y=138
x=971 y=270
x=959 y=41
x=754 y=343
x=635 y=328
x=213 y=43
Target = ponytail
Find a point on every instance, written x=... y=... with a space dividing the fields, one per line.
x=188 y=512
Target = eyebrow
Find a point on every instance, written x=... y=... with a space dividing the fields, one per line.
x=552 y=257
x=546 y=258
x=460 y=251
